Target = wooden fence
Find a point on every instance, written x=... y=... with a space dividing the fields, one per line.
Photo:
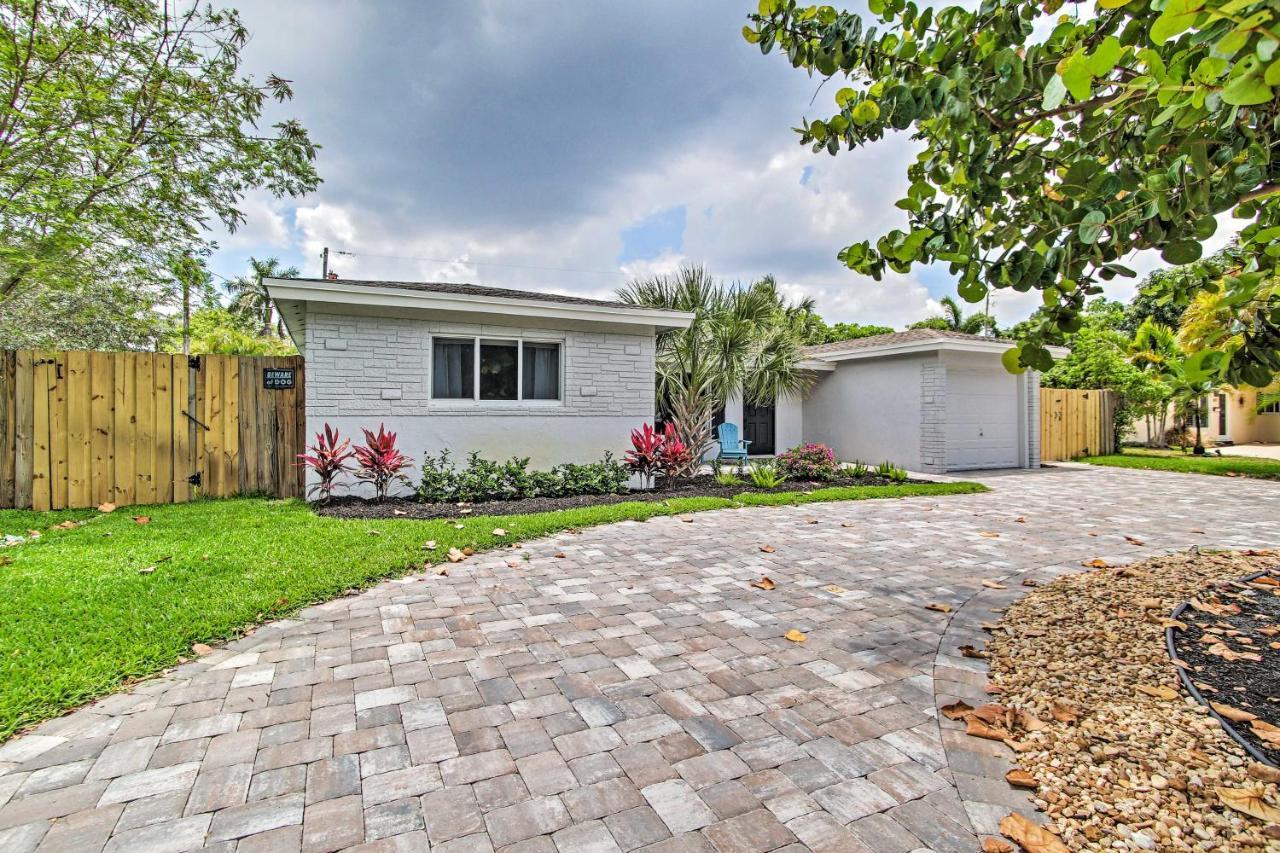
x=1076 y=423
x=79 y=429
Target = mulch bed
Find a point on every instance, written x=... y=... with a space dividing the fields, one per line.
x=703 y=485
x=1116 y=753
x=1232 y=645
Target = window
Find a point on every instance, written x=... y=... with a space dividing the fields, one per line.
x=453 y=368
x=494 y=370
x=1272 y=408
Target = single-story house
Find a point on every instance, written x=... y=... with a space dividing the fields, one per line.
x=465 y=368
x=1229 y=416
x=924 y=399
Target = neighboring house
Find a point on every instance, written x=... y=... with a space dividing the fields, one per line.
x=465 y=368
x=1229 y=416
x=924 y=399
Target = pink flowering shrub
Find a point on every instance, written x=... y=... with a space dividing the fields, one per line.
x=808 y=462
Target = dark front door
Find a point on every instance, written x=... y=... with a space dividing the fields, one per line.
x=757 y=428
x=1222 y=414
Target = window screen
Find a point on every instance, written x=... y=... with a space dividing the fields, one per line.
x=498 y=370
x=541 y=371
x=453 y=368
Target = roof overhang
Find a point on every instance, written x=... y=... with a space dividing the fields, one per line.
x=816 y=364
x=291 y=297
x=994 y=346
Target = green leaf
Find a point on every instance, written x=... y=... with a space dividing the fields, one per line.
x=1055 y=92
x=1076 y=77
x=1246 y=90
x=971 y=290
x=1104 y=57
x=1010 y=360
x=1177 y=17
x=865 y=112
x=1272 y=76
x=1182 y=252
x=750 y=35
x=769 y=8
x=1091 y=227
x=1112 y=4
x=845 y=95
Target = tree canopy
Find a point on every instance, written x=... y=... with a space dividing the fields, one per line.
x=1055 y=145
x=129 y=129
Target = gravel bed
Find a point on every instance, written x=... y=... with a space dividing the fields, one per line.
x=1120 y=757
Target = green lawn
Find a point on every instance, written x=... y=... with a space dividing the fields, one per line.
x=78 y=617
x=1174 y=460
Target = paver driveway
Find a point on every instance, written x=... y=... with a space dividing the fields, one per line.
x=624 y=688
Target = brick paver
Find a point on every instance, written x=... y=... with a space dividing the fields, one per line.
x=635 y=693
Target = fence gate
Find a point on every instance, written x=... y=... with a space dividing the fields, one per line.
x=1076 y=423
x=78 y=429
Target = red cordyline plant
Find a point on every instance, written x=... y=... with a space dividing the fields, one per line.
x=328 y=459
x=380 y=462
x=645 y=455
x=675 y=457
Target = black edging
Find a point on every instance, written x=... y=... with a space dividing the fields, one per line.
x=1195 y=694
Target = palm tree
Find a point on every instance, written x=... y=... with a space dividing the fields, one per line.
x=249 y=297
x=1154 y=350
x=954 y=319
x=742 y=339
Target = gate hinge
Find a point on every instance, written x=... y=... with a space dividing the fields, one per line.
x=194 y=479
x=193 y=361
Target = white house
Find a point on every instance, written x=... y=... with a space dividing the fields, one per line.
x=923 y=399
x=462 y=367
x=564 y=379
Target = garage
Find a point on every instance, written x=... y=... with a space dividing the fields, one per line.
x=927 y=400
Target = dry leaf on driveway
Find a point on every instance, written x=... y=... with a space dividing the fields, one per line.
x=1249 y=800
x=989 y=534
x=1019 y=778
x=796 y=636
x=956 y=710
x=1264 y=772
x=768 y=549
x=201 y=649
x=835 y=590
x=1132 y=540
x=765 y=583
x=1063 y=713
x=971 y=652
x=456 y=556
x=1235 y=715
x=1033 y=838
x=996 y=845
x=1096 y=563
x=941 y=608
x=990 y=584
x=1159 y=692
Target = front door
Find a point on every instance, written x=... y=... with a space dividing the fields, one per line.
x=1222 y=415
x=757 y=428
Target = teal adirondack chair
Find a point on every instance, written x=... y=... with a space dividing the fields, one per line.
x=731 y=447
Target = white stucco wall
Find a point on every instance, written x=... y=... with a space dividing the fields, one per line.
x=870 y=409
x=366 y=370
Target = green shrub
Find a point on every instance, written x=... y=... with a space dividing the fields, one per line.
x=486 y=480
x=860 y=468
x=809 y=462
x=892 y=472
x=765 y=475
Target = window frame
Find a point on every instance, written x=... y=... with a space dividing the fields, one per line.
x=476 y=340
x=1270 y=409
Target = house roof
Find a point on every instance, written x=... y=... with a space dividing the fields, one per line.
x=911 y=336
x=463 y=289
x=459 y=301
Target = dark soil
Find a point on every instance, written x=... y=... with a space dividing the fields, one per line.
x=703 y=485
x=1252 y=686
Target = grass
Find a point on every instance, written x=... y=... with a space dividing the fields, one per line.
x=78 y=618
x=1174 y=460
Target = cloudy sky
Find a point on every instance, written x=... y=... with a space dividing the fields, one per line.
x=568 y=146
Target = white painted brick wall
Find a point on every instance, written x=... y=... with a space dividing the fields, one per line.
x=353 y=360
x=933 y=416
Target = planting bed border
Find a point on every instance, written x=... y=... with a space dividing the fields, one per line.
x=1191 y=688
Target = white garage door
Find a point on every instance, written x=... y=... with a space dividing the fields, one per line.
x=982 y=419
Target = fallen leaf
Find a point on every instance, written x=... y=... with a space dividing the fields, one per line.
x=971 y=652
x=498 y=531
x=1266 y=732
x=1159 y=692
x=768 y=549
x=1133 y=540
x=512 y=564
x=201 y=649
x=443 y=570
x=374 y=533
x=796 y=636
x=561 y=555
x=142 y=519
x=996 y=845
x=1063 y=713
x=976 y=728
x=988 y=534
x=465 y=511
x=989 y=627
x=835 y=590
x=765 y=583
x=398 y=512
x=106 y=507
x=1020 y=520
x=1249 y=800
x=148 y=570
x=1266 y=580
x=847 y=524
x=956 y=710
x=989 y=584
x=1222 y=650
x=456 y=556
x=1030 y=721
x=1197 y=530
x=687 y=519
x=1235 y=715
x=1030 y=582
x=1096 y=563
x=1033 y=837
x=1019 y=778
x=1263 y=772
x=811 y=521
x=941 y=608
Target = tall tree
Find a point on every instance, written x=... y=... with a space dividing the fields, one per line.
x=1055 y=145
x=742 y=340
x=249 y=297
x=954 y=319
x=128 y=128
